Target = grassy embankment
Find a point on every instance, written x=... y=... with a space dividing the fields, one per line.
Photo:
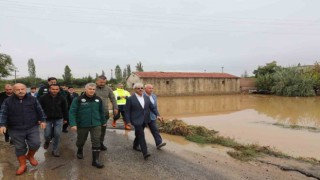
x=200 y=134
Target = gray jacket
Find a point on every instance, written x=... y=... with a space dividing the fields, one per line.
x=106 y=93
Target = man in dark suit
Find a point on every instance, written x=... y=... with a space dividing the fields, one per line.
x=137 y=109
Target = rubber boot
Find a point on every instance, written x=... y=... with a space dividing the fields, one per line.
x=80 y=153
x=95 y=158
x=103 y=147
x=23 y=165
x=30 y=157
x=126 y=126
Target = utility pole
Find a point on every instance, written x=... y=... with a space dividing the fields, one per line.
x=222 y=69
x=111 y=73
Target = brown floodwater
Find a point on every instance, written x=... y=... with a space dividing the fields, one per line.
x=290 y=124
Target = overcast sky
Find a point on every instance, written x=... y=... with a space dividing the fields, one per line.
x=165 y=35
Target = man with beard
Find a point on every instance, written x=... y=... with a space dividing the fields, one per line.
x=105 y=93
x=56 y=109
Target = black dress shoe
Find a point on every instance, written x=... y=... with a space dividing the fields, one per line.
x=136 y=148
x=161 y=145
x=145 y=156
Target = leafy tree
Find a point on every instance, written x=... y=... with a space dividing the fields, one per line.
x=314 y=73
x=292 y=82
x=128 y=70
x=124 y=74
x=31 y=68
x=269 y=68
x=264 y=74
x=67 y=76
x=89 y=79
x=139 y=67
x=118 y=73
x=6 y=65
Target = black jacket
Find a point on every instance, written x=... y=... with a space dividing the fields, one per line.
x=3 y=96
x=54 y=107
x=21 y=114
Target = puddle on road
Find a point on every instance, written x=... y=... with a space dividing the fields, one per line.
x=253 y=119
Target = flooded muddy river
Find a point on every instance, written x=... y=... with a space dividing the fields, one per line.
x=290 y=124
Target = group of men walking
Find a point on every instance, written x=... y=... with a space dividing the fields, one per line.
x=53 y=109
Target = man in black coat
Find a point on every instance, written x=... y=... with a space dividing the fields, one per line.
x=8 y=91
x=56 y=108
x=137 y=109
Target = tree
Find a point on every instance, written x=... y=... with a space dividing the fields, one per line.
x=103 y=74
x=67 y=76
x=292 y=82
x=139 y=67
x=6 y=65
x=128 y=70
x=269 y=68
x=118 y=73
x=124 y=74
x=264 y=74
x=89 y=79
x=31 y=69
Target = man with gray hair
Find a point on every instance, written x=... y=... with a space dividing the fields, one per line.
x=148 y=89
x=86 y=115
x=137 y=111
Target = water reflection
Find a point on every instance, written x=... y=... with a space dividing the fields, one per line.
x=286 y=110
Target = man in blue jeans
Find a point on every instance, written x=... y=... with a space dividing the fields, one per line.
x=153 y=124
x=22 y=113
x=55 y=107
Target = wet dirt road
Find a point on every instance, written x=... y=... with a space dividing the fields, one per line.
x=180 y=159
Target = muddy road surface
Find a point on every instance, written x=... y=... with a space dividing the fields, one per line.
x=175 y=161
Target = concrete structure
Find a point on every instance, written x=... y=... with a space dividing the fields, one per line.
x=248 y=85
x=185 y=83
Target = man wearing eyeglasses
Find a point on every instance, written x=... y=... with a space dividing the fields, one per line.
x=137 y=109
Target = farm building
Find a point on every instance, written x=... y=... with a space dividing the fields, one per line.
x=187 y=83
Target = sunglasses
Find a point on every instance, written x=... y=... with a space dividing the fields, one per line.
x=139 y=88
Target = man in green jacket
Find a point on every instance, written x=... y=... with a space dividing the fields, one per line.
x=86 y=115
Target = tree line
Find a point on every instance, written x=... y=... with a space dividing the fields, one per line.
x=7 y=68
x=288 y=81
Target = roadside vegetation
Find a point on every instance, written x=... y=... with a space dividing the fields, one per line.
x=288 y=81
x=243 y=152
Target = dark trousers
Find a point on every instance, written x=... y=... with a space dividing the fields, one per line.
x=121 y=111
x=82 y=135
x=65 y=126
x=155 y=132
x=24 y=139
x=140 y=138
x=104 y=128
x=6 y=135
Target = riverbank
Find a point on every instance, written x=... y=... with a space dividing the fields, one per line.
x=180 y=159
